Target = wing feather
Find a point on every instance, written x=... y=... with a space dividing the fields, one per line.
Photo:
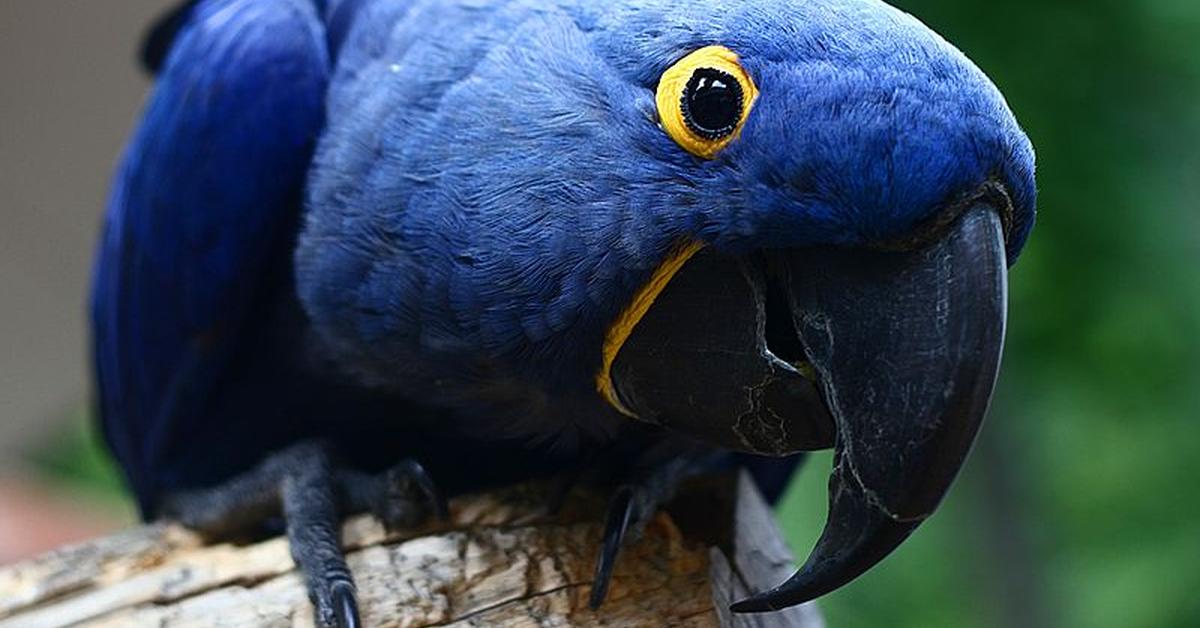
x=206 y=200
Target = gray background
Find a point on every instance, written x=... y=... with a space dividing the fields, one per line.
x=69 y=92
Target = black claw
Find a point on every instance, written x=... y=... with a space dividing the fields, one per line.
x=345 y=605
x=299 y=487
x=621 y=512
x=424 y=481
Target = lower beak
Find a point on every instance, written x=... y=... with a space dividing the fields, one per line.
x=905 y=346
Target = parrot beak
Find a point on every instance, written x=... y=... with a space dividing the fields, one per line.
x=906 y=346
x=698 y=362
x=889 y=356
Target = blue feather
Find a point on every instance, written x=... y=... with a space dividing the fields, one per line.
x=202 y=215
x=485 y=203
x=490 y=186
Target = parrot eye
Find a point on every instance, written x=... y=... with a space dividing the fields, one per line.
x=704 y=99
x=712 y=104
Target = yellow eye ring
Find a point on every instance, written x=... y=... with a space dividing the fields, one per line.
x=704 y=99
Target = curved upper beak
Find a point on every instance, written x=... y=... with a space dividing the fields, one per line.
x=889 y=356
x=905 y=346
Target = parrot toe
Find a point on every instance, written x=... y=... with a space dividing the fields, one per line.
x=635 y=503
x=403 y=496
x=312 y=494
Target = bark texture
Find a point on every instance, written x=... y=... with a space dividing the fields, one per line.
x=500 y=561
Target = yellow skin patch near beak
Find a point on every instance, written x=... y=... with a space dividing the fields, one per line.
x=673 y=86
x=623 y=326
x=673 y=89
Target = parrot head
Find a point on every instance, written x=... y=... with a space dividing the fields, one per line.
x=859 y=190
x=774 y=226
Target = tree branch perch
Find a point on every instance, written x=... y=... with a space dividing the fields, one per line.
x=500 y=561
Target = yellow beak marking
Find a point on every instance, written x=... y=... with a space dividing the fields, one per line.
x=623 y=326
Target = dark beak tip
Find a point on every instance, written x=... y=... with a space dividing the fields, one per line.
x=903 y=466
x=751 y=605
x=767 y=603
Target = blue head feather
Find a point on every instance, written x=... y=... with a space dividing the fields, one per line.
x=493 y=186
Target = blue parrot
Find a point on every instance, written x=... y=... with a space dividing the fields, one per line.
x=356 y=245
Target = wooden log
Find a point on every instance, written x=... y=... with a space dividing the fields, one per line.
x=500 y=561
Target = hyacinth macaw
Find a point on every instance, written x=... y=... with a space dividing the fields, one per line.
x=359 y=245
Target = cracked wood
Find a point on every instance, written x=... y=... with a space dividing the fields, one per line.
x=500 y=561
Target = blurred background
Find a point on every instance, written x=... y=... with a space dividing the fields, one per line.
x=1080 y=505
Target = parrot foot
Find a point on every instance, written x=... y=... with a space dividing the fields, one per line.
x=633 y=505
x=400 y=497
x=303 y=485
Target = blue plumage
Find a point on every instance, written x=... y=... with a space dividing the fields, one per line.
x=200 y=221
x=489 y=188
x=482 y=210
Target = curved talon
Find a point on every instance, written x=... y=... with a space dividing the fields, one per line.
x=621 y=512
x=424 y=481
x=345 y=605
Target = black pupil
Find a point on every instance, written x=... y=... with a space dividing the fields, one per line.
x=712 y=103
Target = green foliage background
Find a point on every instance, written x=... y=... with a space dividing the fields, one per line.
x=1080 y=504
